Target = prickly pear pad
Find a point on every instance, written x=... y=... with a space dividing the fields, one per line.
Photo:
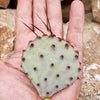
x=51 y=64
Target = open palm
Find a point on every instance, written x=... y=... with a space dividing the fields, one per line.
x=14 y=84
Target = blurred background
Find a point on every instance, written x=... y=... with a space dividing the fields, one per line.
x=90 y=89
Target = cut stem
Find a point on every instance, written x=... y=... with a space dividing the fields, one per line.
x=46 y=99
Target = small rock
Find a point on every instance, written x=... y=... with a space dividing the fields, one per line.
x=7 y=33
x=4 y=3
x=96 y=10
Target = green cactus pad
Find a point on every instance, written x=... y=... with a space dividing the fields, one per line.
x=51 y=64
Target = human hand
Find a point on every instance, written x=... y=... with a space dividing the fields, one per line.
x=14 y=84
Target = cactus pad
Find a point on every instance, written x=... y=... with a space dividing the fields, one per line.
x=51 y=64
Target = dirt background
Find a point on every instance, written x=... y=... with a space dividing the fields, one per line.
x=90 y=89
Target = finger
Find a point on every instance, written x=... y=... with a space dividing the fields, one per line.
x=24 y=10
x=39 y=7
x=55 y=17
x=74 y=36
x=75 y=28
x=23 y=36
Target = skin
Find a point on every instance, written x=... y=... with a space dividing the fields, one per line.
x=14 y=84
